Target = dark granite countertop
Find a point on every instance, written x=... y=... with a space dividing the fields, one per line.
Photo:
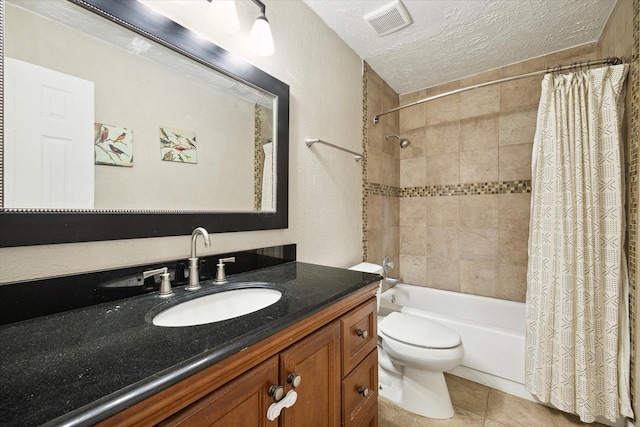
x=84 y=365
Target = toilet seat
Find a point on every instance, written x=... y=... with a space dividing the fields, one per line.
x=418 y=331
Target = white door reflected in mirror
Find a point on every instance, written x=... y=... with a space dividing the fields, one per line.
x=48 y=138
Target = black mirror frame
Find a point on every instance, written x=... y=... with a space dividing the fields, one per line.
x=24 y=228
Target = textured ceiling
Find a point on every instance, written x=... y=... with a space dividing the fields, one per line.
x=451 y=39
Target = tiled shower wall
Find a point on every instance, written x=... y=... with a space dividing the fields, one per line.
x=380 y=172
x=456 y=214
x=473 y=238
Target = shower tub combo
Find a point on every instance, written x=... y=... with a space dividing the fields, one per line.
x=492 y=332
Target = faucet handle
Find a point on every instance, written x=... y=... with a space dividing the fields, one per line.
x=221 y=276
x=165 y=284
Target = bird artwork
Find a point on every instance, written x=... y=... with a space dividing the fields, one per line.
x=117 y=151
x=121 y=138
x=111 y=151
x=104 y=134
x=178 y=142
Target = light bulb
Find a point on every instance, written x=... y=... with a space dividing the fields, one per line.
x=223 y=16
x=260 y=39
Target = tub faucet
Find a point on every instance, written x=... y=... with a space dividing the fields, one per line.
x=194 y=275
x=388 y=283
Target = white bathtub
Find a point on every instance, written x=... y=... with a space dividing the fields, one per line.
x=492 y=331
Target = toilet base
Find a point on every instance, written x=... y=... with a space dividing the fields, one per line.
x=421 y=392
x=425 y=393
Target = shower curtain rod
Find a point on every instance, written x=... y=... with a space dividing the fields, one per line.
x=558 y=69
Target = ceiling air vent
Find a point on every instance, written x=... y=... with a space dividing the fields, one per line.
x=388 y=18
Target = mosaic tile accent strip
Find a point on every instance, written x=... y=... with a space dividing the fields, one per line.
x=473 y=189
x=363 y=162
x=258 y=159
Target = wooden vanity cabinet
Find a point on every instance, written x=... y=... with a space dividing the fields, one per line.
x=334 y=361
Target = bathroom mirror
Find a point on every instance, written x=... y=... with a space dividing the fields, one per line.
x=182 y=132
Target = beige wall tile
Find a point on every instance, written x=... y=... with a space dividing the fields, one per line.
x=374 y=165
x=576 y=54
x=412 y=117
x=479 y=102
x=443 y=273
x=413 y=269
x=390 y=244
x=413 y=172
x=443 y=138
x=513 y=246
x=390 y=211
x=479 y=132
x=518 y=126
x=479 y=211
x=528 y=66
x=413 y=240
x=447 y=87
x=624 y=29
x=514 y=210
x=515 y=162
x=392 y=171
x=443 y=243
x=443 y=110
x=478 y=244
x=478 y=278
x=512 y=282
x=418 y=146
x=443 y=211
x=480 y=78
x=413 y=211
x=374 y=212
x=442 y=169
x=520 y=93
x=374 y=244
x=479 y=165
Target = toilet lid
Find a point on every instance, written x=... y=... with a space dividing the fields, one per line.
x=418 y=331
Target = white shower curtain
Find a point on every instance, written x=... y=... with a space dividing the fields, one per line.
x=577 y=340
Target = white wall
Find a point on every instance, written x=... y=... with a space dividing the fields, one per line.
x=325 y=189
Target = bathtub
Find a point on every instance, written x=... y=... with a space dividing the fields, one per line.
x=492 y=331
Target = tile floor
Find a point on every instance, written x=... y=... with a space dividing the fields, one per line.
x=477 y=405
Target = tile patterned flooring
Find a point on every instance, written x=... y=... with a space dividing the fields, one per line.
x=477 y=405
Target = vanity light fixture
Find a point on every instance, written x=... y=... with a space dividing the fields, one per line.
x=260 y=38
x=223 y=15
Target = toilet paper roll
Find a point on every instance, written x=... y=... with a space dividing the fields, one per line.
x=367 y=267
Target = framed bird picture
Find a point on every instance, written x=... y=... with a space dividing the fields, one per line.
x=178 y=145
x=113 y=145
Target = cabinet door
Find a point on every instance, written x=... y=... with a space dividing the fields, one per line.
x=316 y=359
x=242 y=402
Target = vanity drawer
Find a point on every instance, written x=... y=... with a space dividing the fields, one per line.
x=360 y=391
x=359 y=335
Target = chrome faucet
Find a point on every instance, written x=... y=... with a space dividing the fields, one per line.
x=194 y=275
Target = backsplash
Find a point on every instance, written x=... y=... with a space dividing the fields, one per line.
x=26 y=300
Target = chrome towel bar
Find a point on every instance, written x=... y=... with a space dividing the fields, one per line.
x=311 y=141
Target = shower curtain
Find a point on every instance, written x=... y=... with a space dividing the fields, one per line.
x=577 y=336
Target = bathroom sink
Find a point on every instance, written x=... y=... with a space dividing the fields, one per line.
x=217 y=307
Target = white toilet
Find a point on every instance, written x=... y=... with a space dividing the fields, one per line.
x=413 y=354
